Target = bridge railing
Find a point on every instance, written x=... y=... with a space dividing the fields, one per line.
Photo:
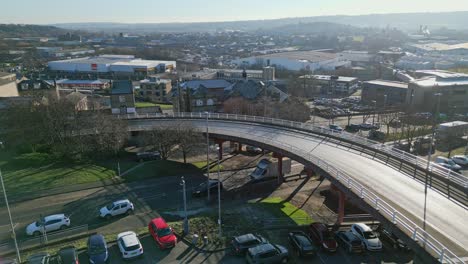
x=431 y=244
x=450 y=175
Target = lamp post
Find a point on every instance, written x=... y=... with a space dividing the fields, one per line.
x=13 y=234
x=429 y=156
x=186 y=223
x=219 y=199
x=375 y=110
x=207 y=154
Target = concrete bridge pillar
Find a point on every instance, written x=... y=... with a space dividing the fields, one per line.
x=341 y=205
x=280 y=166
x=239 y=147
x=220 y=148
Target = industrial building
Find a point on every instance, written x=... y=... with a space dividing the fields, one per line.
x=314 y=85
x=111 y=66
x=297 y=60
x=384 y=93
x=447 y=89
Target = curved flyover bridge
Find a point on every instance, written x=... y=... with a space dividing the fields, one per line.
x=387 y=183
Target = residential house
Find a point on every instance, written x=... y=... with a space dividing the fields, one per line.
x=122 y=98
x=200 y=95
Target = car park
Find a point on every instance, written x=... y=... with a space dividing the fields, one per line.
x=129 y=245
x=202 y=189
x=323 y=236
x=39 y=258
x=242 y=243
x=368 y=236
x=267 y=253
x=393 y=240
x=448 y=163
x=349 y=241
x=162 y=233
x=97 y=249
x=116 y=208
x=67 y=255
x=460 y=160
x=48 y=224
x=302 y=244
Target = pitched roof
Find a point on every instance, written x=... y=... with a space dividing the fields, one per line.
x=209 y=84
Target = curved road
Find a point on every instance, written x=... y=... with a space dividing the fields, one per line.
x=396 y=188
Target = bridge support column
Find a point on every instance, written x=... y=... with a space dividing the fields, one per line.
x=280 y=166
x=239 y=147
x=220 y=148
x=341 y=205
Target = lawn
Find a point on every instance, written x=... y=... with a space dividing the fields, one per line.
x=285 y=210
x=202 y=166
x=161 y=168
x=149 y=104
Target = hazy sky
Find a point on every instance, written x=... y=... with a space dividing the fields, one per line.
x=146 y=11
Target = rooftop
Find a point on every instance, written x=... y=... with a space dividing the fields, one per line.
x=210 y=84
x=440 y=46
x=388 y=83
x=122 y=87
x=441 y=82
x=311 y=56
x=442 y=74
x=328 y=77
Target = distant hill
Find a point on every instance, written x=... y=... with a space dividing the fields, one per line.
x=319 y=28
x=406 y=21
x=18 y=30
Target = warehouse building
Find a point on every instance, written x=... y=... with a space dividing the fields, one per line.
x=109 y=66
x=384 y=93
x=314 y=85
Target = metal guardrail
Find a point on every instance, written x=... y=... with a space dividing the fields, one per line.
x=448 y=174
x=431 y=244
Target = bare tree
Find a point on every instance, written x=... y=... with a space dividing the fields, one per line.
x=388 y=118
x=163 y=139
x=188 y=137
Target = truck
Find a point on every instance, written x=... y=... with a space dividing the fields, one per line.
x=268 y=168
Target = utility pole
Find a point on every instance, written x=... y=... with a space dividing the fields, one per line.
x=207 y=155
x=186 y=223
x=13 y=233
x=375 y=110
x=436 y=117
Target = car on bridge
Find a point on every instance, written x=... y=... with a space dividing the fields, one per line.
x=48 y=224
x=368 y=237
x=323 y=236
x=119 y=207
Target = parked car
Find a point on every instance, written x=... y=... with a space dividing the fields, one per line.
x=323 y=236
x=460 y=160
x=353 y=128
x=116 y=208
x=448 y=163
x=302 y=244
x=48 y=223
x=253 y=149
x=366 y=126
x=368 y=236
x=97 y=249
x=39 y=258
x=376 y=135
x=242 y=243
x=149 y=155
x=129 y=245
x=67 y=255
x=267 y=253
x=162 y=233
x=202 y=189
x=335 y=128
x=349 y=241
x=393 y=240
x=404 y=146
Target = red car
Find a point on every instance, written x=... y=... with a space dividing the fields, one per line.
x=162 y=233
x=323 y=236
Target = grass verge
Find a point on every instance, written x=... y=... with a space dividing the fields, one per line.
x=149 y=104
x=160 y=168
x=202 y=166
x=285 y=211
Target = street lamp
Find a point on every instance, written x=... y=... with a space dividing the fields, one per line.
x=219 y=198
x=429 y=156
x=11 y=220
x=186 y=223
x=375 y=110
x=207 y=154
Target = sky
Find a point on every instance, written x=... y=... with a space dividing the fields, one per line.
x=157 y=11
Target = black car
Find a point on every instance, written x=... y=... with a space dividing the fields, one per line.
x=97 y=249
x=242 y=243
x=393 y=240
x=67 y=255
x=352 y=128
x=146 y=156
x=302 y=244
x=202 y=190
x=39 y=258
x=349 y=241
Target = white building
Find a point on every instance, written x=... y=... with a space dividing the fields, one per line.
x=297 y=60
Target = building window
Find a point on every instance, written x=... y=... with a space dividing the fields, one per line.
x=209 y=102
x=37 y=86
x=24 y=86
x=122 y=98
x=199 y=102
